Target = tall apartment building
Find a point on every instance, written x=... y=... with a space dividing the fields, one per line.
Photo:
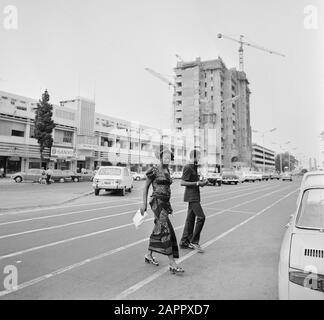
x=205 y=111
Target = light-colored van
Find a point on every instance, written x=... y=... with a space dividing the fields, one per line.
x=113 y=179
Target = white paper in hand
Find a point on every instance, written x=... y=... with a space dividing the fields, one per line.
x=138 y=219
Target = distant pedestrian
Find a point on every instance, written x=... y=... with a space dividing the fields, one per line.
x=49 y=173
x=195 y=216
x=163 y=239
x=2 y=172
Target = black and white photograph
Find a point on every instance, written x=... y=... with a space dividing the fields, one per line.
x=162 y=150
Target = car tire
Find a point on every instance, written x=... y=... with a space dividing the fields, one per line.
x=76 y=179
x=18 y=179
x=61 y=180
x=130 y=189
x=97 y=192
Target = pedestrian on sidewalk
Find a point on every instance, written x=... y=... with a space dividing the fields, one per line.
x=163 y=239
x=49 y=173
x=195 y=216
x=2 y=175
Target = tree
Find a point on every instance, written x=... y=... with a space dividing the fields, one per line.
x=44 y=124
x=285 y=162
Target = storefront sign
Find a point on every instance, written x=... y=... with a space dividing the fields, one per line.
x=62 y=153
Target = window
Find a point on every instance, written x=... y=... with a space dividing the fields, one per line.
x=106 y=142
x=62 y=136
x=212 y=88
x=21 y=108
x=109 y=172
x=205 y=94
x=32 y=132
x=178 y=120
x=311 y=213
x=68 y=136
x=16 y=133
x=212 y=97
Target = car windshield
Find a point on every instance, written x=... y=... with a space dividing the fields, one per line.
x=311 y=211
x=314 y=180
x=110 y=172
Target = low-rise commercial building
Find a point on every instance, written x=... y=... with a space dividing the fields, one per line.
x=82 y=138
x=263 y=159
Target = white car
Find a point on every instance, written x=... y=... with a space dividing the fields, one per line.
x=176 y=175
x=301 y=263
x=249 y=176
x=113 y=179
x=138 y=175
x=240 y=175
x=258 y=176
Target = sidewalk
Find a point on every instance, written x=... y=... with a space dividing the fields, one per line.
x=18 y=196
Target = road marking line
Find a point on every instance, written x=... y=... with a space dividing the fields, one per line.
x=102 y=208
x=104 y=202
x=110 y=252
x=106 y=230
x=233 y=211
x=159 y=273
x=93 y=219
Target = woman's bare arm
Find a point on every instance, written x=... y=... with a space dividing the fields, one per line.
x=145 y=193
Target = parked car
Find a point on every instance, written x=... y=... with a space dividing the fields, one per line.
x=75 y=177
x=274 y=175
x=176 y=175
x=265 y=176
x=138 y=175
x=301 y=267
x=257 y=175
x=60 y=176
x=229 y=176
x=240 y=176
x=286 y=176
x=113 y=179
x=214 y=178
x=33 y=175
x=249 y=176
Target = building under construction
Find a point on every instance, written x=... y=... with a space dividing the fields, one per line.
x=211 y=107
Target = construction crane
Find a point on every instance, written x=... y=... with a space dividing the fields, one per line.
x=161 y=77
x=179 y=58
x=243 y=43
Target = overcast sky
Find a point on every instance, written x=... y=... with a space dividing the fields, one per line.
x=72 y=46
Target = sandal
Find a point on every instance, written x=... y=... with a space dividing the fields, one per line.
x=175 y=270
x=151 y=259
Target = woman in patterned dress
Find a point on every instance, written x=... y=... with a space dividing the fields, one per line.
x=163 y=239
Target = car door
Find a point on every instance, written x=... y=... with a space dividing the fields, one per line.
x=33 y=174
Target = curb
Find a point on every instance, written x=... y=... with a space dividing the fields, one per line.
x=3 y=210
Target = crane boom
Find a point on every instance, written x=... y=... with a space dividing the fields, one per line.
x=159 y=76
x=244 y=43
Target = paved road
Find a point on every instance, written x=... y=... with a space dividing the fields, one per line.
x=91 y=250
x=27 y=194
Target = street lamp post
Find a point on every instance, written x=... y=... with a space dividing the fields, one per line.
x=263 y=133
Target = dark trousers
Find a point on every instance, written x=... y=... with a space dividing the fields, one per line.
x=48 y=179
x=192 y=230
